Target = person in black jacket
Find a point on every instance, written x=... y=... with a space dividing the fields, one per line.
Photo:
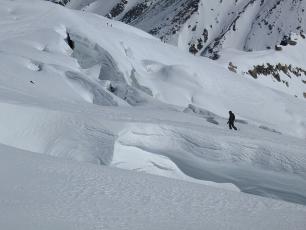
x=231 y=120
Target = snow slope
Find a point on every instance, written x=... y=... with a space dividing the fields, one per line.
x=208 y=24
x=282 y=70
x=81 y=87
x=223 y=29
x=42 y=192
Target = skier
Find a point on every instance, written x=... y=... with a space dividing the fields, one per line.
x=231 y=120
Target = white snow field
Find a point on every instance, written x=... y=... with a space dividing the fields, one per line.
x=291 y=57
x=72 y=117
x=42 y=192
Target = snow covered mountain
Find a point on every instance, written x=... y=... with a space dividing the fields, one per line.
x=83 y=97
x=211 y=28
x=206 y=26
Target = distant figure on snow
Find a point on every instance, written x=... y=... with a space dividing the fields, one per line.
x=231 y=120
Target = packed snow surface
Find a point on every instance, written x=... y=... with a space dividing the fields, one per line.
x=79 y=87
x=41 y=192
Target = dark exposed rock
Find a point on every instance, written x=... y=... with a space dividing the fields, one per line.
x=118 y=9
x=278 y=48
x=69 y=41
x=276 y=70
x=232 y=67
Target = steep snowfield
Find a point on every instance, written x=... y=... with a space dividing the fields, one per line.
x=121 y=98
x=210 y=25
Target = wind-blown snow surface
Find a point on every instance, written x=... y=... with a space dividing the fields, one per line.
x=45 y=193
x=121 y=98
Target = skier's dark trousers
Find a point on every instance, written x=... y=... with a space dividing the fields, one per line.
x=231 y=120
